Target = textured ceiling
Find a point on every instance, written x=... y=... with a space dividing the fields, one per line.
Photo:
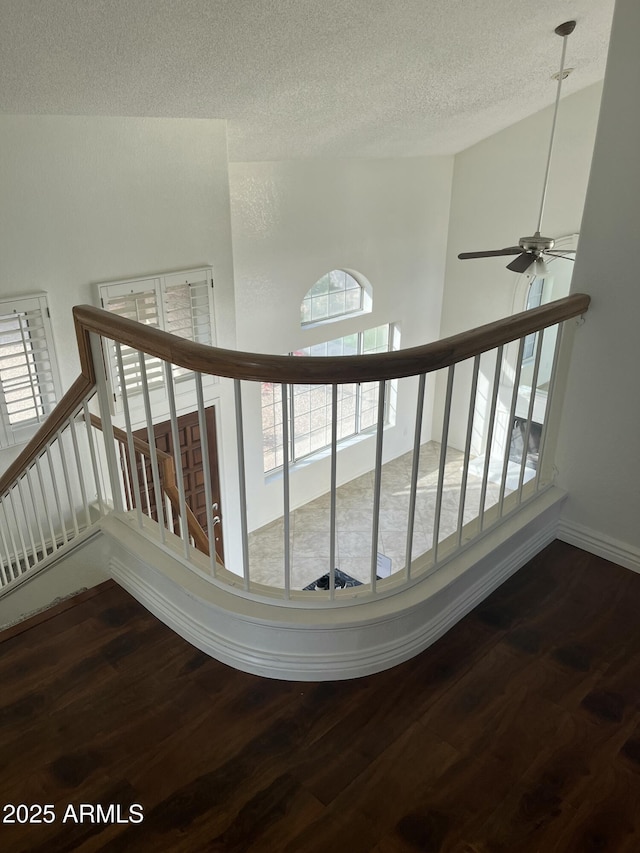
x=302 y=78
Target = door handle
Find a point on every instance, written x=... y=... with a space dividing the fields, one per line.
x=216 y=520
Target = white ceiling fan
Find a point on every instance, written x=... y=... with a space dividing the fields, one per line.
x=530 y=250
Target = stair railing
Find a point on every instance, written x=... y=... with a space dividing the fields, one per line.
x=165 y=510
x=482 y=368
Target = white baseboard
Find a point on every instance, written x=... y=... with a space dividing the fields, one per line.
x=599 y=544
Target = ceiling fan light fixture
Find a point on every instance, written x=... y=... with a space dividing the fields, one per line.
x=538 y=269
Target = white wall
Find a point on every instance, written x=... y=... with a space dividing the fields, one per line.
x=88 y=199
x=497 y=185
x=598 y=456
x=495 y=200
x=294 y=221
x=93 y=199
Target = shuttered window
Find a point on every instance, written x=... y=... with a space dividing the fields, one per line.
x=180 y=303
x=29 y=381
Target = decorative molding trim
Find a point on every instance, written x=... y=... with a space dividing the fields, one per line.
x=312 y=645
x=599 y=544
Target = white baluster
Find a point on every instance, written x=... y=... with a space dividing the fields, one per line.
x=242 y=482
x=177 y=455
x=443 y=462
x=377 y=484
x=415 y=468
x=151 y=440
x=509 y=427
x=492 y=419
x=285 y=490
x=467 y=446
x=206 y=471
x=332 y=510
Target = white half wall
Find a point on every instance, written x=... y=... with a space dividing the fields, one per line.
x=294 y=221
x=598 y=458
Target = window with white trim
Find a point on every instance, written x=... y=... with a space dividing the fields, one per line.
x=29 y=379
x=337 y=294
x=309 y=406
x=180 y=303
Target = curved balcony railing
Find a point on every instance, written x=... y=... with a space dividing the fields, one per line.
x=93 y=465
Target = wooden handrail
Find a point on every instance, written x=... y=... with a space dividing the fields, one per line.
x=277 y=368
x=322 y=370
x=62 y=412
x=138 y=444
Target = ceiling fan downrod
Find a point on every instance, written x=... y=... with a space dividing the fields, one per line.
x=563 y=30
x=530 y=250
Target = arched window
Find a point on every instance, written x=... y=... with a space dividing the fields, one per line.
x=337 y=294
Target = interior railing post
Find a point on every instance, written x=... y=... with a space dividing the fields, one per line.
x=377 y=485
x=177 y=455
x=7 y=569
x=488 y=447
x=242 y=481
x=32 y=496
x=146 y=488
x=530 y=410
x=133 y=464
x=153 y=453
x=23 y=547
x=92 y=454
x=204 y=445
x=14 y=547
x=552 y=385
x=67 y=482
x=332 y=509
x=56 y=493
x=509 y=427
x=415 y=468
x=285 y=490
x=32 y=543
x=54 y=542
x=79 y=469
x=107 y=427
x=443 y=462
x=467 y=446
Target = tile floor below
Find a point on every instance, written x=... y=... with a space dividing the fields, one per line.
x=309 y=524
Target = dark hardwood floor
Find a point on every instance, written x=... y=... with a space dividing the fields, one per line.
x=519 y=731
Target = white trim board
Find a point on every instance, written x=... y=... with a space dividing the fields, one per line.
x=320 y=645
x=599 y=544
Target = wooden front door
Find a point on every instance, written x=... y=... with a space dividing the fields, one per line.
x=191 y=457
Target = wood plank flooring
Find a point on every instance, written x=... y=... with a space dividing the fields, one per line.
x=519 y=731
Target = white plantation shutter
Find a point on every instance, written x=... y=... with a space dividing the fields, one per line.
x=187 y=308
x=29 y=383
x=140 y=301
x=180 y=303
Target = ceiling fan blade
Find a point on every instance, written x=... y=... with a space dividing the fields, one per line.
x=522 y=262
x=553 y=255
x=492 y=253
